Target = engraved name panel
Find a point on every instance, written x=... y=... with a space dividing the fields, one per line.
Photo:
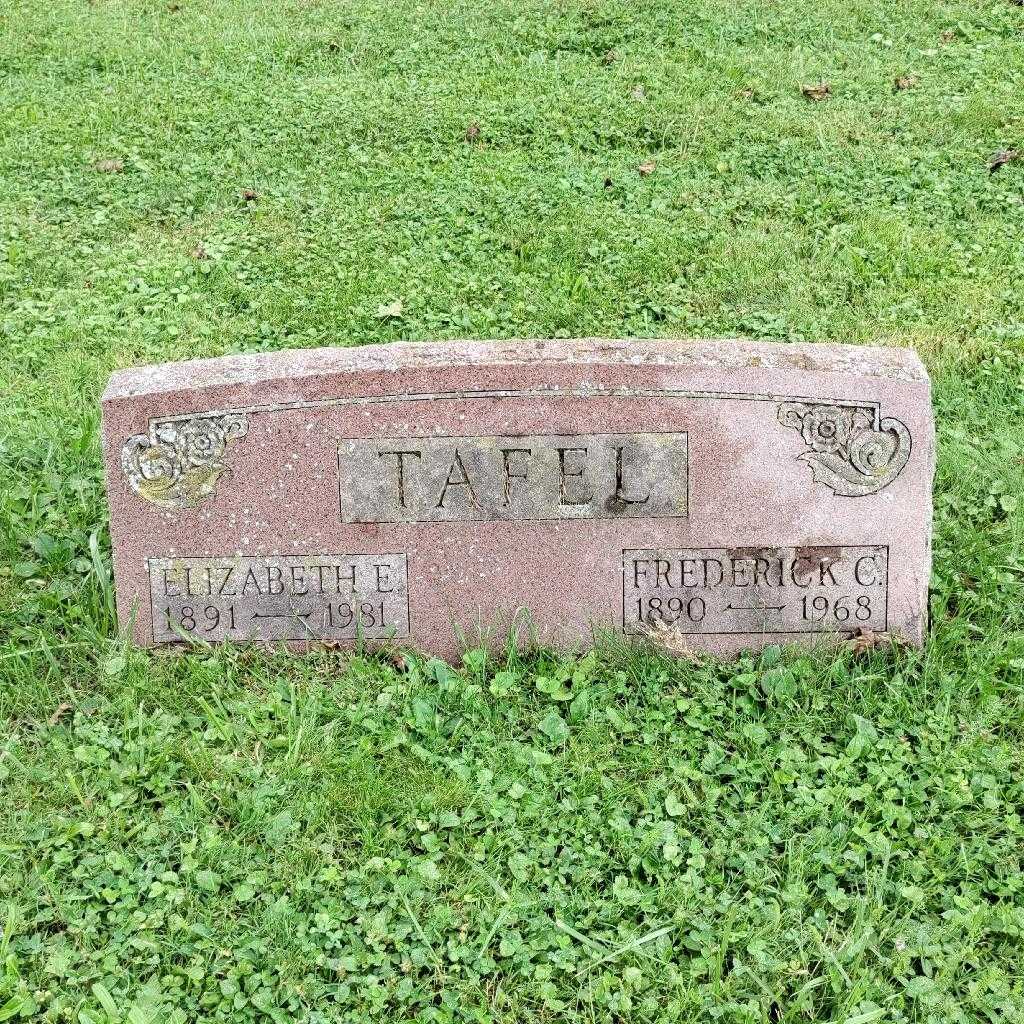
x=756 y=590
x=535 y=477
x=304 y=597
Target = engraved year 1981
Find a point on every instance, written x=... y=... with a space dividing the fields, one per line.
x=279 y=598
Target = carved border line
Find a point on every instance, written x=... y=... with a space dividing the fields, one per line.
x=433 y=396
x=851 y=448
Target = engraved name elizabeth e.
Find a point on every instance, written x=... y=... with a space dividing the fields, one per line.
x=552 y=476
x=309 y=597
x=838 y=588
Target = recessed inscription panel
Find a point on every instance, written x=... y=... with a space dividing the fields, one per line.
x=309 y=597
x=552 y=476
x=756 y=590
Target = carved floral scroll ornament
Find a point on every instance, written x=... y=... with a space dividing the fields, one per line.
x=177 y=464
x=851 y=450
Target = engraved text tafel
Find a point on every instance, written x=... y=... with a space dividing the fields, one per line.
x=530 y=477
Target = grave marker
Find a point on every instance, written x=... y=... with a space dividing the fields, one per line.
x=734 y=493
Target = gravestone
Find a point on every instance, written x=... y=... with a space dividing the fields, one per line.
x=716 y=495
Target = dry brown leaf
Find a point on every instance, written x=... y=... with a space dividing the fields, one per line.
x=672 y=640
x=1002 y=157
x=250 y=195
x=390 y=311
x=62 y=710
x=905 y=82
x=110 y=166
x=818 y=92
x=868 y=640
x=473 y=132
x=647 y=167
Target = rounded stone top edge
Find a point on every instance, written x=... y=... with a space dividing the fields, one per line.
x=902 y=364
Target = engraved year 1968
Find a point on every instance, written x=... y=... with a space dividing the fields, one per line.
x=756 y=590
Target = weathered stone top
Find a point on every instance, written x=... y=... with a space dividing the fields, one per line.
x=725 y=354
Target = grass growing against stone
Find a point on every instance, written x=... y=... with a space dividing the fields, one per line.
x=240 y=837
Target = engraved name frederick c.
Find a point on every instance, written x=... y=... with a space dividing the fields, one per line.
x=777 y=590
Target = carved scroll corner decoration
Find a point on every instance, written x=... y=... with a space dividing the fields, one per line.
x=850 y=449
x=178 y=463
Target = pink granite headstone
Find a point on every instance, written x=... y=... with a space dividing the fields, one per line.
x=716 y=495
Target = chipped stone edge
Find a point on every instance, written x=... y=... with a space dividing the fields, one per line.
x=726 y=354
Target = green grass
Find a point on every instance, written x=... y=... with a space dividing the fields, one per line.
x=240 y=837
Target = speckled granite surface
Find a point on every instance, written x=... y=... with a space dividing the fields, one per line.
x=714 y=494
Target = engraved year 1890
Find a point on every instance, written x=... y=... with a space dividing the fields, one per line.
x=756 y=590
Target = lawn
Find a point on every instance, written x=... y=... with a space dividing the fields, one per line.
x=240 y=836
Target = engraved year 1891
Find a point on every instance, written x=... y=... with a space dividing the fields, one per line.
x=335 y=597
